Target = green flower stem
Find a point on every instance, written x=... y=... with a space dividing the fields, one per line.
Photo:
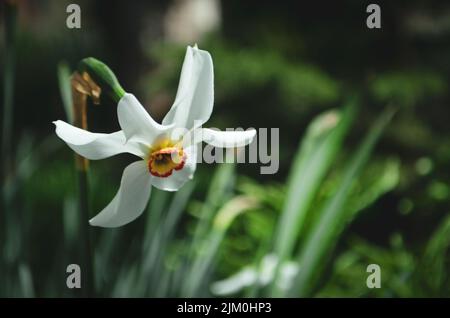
x=79 y=99
x=93 y=79
x=87 y=266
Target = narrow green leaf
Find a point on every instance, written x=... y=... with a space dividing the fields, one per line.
x=205 y=259
x=218 y=192
x=318 y=150
x=434 y=263
x=334 y=216
x=65 y=89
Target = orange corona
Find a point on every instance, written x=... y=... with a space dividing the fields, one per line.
x=164 y=158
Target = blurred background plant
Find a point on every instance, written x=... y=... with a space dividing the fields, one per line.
x=357 y=184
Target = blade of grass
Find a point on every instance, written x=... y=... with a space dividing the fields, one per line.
x=8 y=77
x=434 y=264
x=165 y=234
x=26 y=281
x=65 y=89
x=218 y=192
x=177 y=206
x=150 y=246
x=202 y=265
x=8 y=219
x=253 y=290
x=156 y=207
x=318 y=150
x=333 y=217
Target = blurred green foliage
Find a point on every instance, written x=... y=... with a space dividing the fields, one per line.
x=407 y=88
x=338 y=202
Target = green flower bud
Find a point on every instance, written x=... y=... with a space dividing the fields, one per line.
x=102 y=75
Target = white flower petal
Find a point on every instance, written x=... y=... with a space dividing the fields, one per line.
x=136 y=122
x=195 y=95
x=227 y=139
x=95 y=146
x=178 y=177
x=131 y=199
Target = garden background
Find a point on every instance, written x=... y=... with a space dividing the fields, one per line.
x=364 y=150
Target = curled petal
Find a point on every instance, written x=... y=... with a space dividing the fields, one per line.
x=195 y=96
x=227 y=139
x=131 y=199
x=178 y=177
x=95 y=146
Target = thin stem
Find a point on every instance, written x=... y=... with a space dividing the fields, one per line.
x=87 y=267
x=5 y=157
x=82 y=87
x=10 y=19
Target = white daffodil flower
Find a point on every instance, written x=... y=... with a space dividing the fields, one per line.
x=168 y=157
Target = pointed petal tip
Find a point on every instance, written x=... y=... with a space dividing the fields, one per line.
x=94 y=222
x=59 y=124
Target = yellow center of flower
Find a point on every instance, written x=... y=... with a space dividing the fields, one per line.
x=164 y=157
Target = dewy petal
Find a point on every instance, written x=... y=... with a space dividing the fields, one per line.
x=136 y=122
x=195 y=95
x=131 y=199
x=178 y=177
x=227 y=139
x=95 y=146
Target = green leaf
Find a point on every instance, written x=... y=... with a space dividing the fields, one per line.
x=435 y=262
x=334 y=215
x=205 y=259
x=318 y=150
x=65 y=89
